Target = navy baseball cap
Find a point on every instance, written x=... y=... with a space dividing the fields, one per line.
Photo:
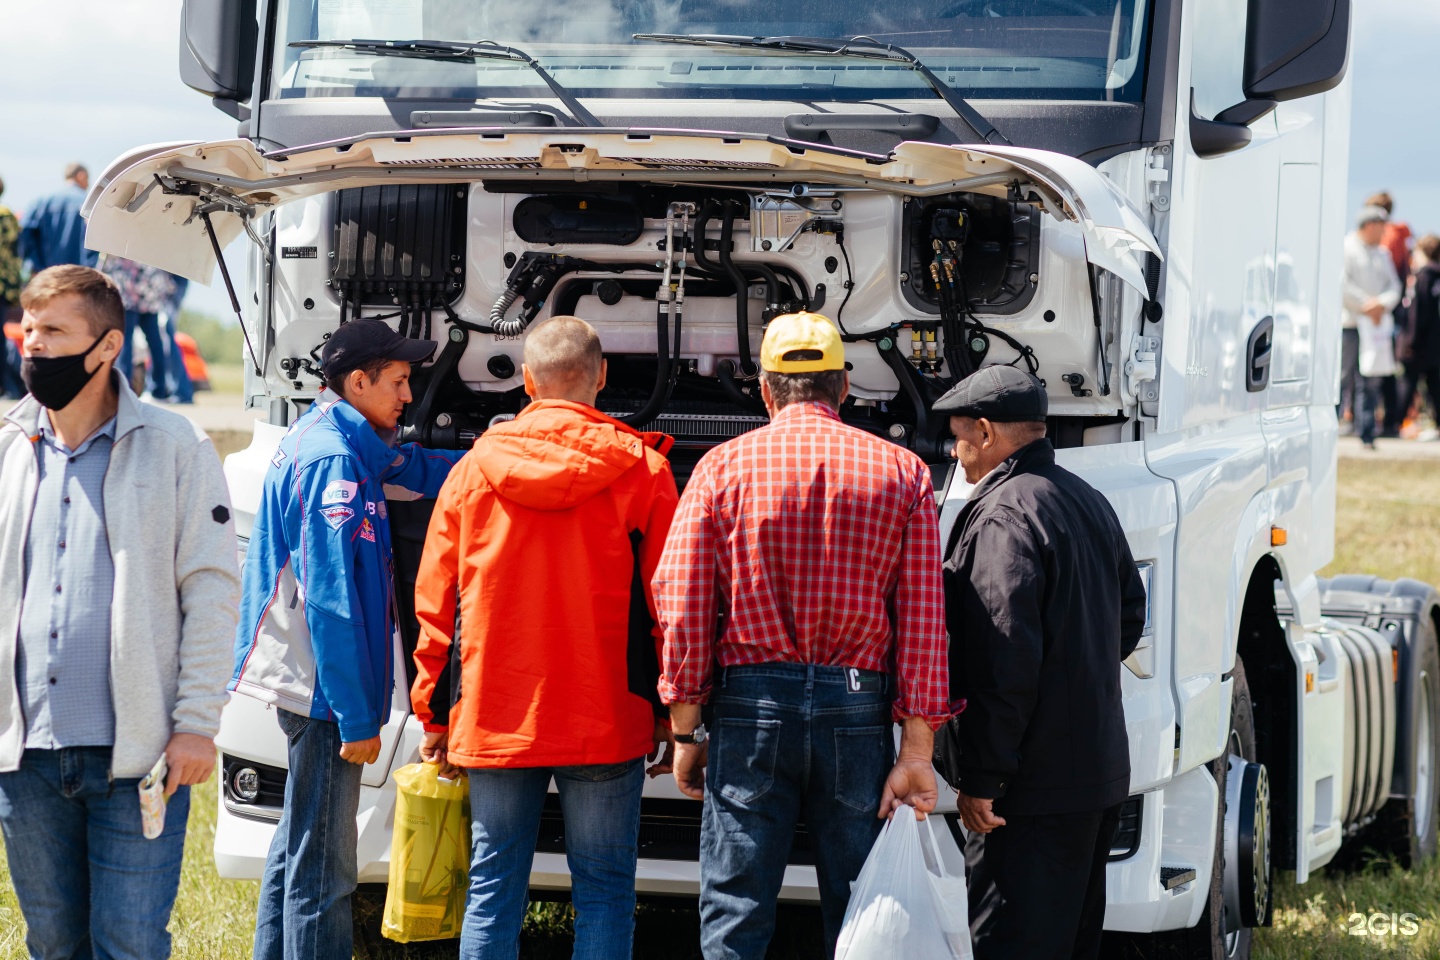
x=1000 y=393
x=358 y=342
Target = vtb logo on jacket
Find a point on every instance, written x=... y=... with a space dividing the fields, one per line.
x=317 y=613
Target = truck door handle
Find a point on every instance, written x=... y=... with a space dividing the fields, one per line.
x=1258 y=354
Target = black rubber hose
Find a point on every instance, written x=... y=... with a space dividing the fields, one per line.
x=658 y=395
x=925 y=445
x=725 y=373
x=742 y=300
x=702 y=256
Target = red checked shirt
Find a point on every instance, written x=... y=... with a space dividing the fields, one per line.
x=822 y=544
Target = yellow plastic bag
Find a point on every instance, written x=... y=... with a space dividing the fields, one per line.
x=429 y=856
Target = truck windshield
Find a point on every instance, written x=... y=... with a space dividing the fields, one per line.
x=987 y=49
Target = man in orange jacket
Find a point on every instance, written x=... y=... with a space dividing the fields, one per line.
x=548 y=534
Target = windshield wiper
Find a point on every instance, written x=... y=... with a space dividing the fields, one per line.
x=867 y=47
x=462 y=50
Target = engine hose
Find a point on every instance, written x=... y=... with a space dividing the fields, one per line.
x=742 y=288
x=725 y=373
x=501 y=326
x=925 y=445
x=702 y=256
x=661 y=391
x=454 y=319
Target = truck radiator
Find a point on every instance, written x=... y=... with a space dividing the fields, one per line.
x=399 y=245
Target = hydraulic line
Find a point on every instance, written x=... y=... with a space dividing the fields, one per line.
x=742 y=287
x=669 y=299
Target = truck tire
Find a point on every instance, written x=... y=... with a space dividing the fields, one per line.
x=1215 y=937
x=1409 y=824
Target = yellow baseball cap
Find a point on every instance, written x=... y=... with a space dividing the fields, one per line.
x=802 y=343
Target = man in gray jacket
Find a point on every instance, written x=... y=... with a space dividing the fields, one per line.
x=117 y=610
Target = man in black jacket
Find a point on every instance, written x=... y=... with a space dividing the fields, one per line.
x=1043 y=602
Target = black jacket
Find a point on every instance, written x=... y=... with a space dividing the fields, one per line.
x=1043 y=602
x=1419 y=340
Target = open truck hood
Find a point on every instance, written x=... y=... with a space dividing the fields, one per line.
x=148 y=204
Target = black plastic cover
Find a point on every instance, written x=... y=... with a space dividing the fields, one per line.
x=578 y=219
x=400 y=244
x=1000 y=242
x=1295 y=48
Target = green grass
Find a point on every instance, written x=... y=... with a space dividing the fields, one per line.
x=1388 y=524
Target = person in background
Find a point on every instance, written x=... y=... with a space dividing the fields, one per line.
x=146 y=291
x=54 y=232
x=1043 y=602
x=317 y=627
x=10 y=385
x=179 y=387
x=1419 y=342
x=117 y=611
x=567 y=509
x=821 y=544
x=1399 y=242
x=1371 y=290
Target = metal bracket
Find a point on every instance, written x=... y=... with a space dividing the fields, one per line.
x=1157 y=177
x=1142 y=368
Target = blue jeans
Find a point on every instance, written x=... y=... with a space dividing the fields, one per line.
x=791 y=741
x=178 y=384
x=148 y=324
x=1367 y=398
x=88 y=882
x=304 y=910
x=601 y=806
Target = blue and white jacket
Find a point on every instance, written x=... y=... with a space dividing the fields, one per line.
x=317 y=608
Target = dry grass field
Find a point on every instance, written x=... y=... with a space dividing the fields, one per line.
x=1389 y=524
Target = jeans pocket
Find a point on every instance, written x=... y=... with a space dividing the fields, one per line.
x=862 y=760
x=291 y=724
x=600 y=772
x=743 y=757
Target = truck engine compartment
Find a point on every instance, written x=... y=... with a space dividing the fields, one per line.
x=680 y=281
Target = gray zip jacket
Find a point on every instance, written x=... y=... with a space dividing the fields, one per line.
x=177 y=585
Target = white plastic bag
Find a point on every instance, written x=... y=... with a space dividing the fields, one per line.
x=1377 y=347
x=905 y=904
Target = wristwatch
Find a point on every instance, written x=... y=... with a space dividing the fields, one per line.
x=696 y=736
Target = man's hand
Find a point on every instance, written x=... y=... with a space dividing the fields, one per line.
x=1374 y=310
x=689 y=762
x=664 y=749
x=910 y=782
x=435 y=748
x=190 y=758
x=912 y=779
x=976 y=814
x=361 y=752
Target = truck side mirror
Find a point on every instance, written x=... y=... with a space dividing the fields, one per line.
x=1293 y=48
x=217 y=50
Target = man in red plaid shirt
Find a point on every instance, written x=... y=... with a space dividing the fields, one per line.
x=820 y=544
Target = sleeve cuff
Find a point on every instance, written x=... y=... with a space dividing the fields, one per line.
x=356 y=734
x=901 y=713
x=435 y=727
x=984 y=786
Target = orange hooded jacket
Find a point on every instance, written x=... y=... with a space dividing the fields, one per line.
x=548 y=533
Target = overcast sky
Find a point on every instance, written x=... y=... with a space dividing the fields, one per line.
x=86 y=80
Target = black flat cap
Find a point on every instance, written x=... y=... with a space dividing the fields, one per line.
x=999 y=393
x=358 y=342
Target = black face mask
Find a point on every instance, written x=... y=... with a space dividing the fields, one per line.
x=55 y=381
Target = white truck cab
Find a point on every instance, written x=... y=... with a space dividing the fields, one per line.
x=1140 y=201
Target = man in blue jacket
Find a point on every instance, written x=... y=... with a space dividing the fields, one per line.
x=317 y=623
x=54 y=231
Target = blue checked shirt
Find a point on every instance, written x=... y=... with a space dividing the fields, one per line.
x=63 y=662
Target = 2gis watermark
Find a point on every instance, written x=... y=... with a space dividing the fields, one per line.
x=1377 y=924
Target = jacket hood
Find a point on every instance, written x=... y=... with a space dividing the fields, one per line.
x=557 y=454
